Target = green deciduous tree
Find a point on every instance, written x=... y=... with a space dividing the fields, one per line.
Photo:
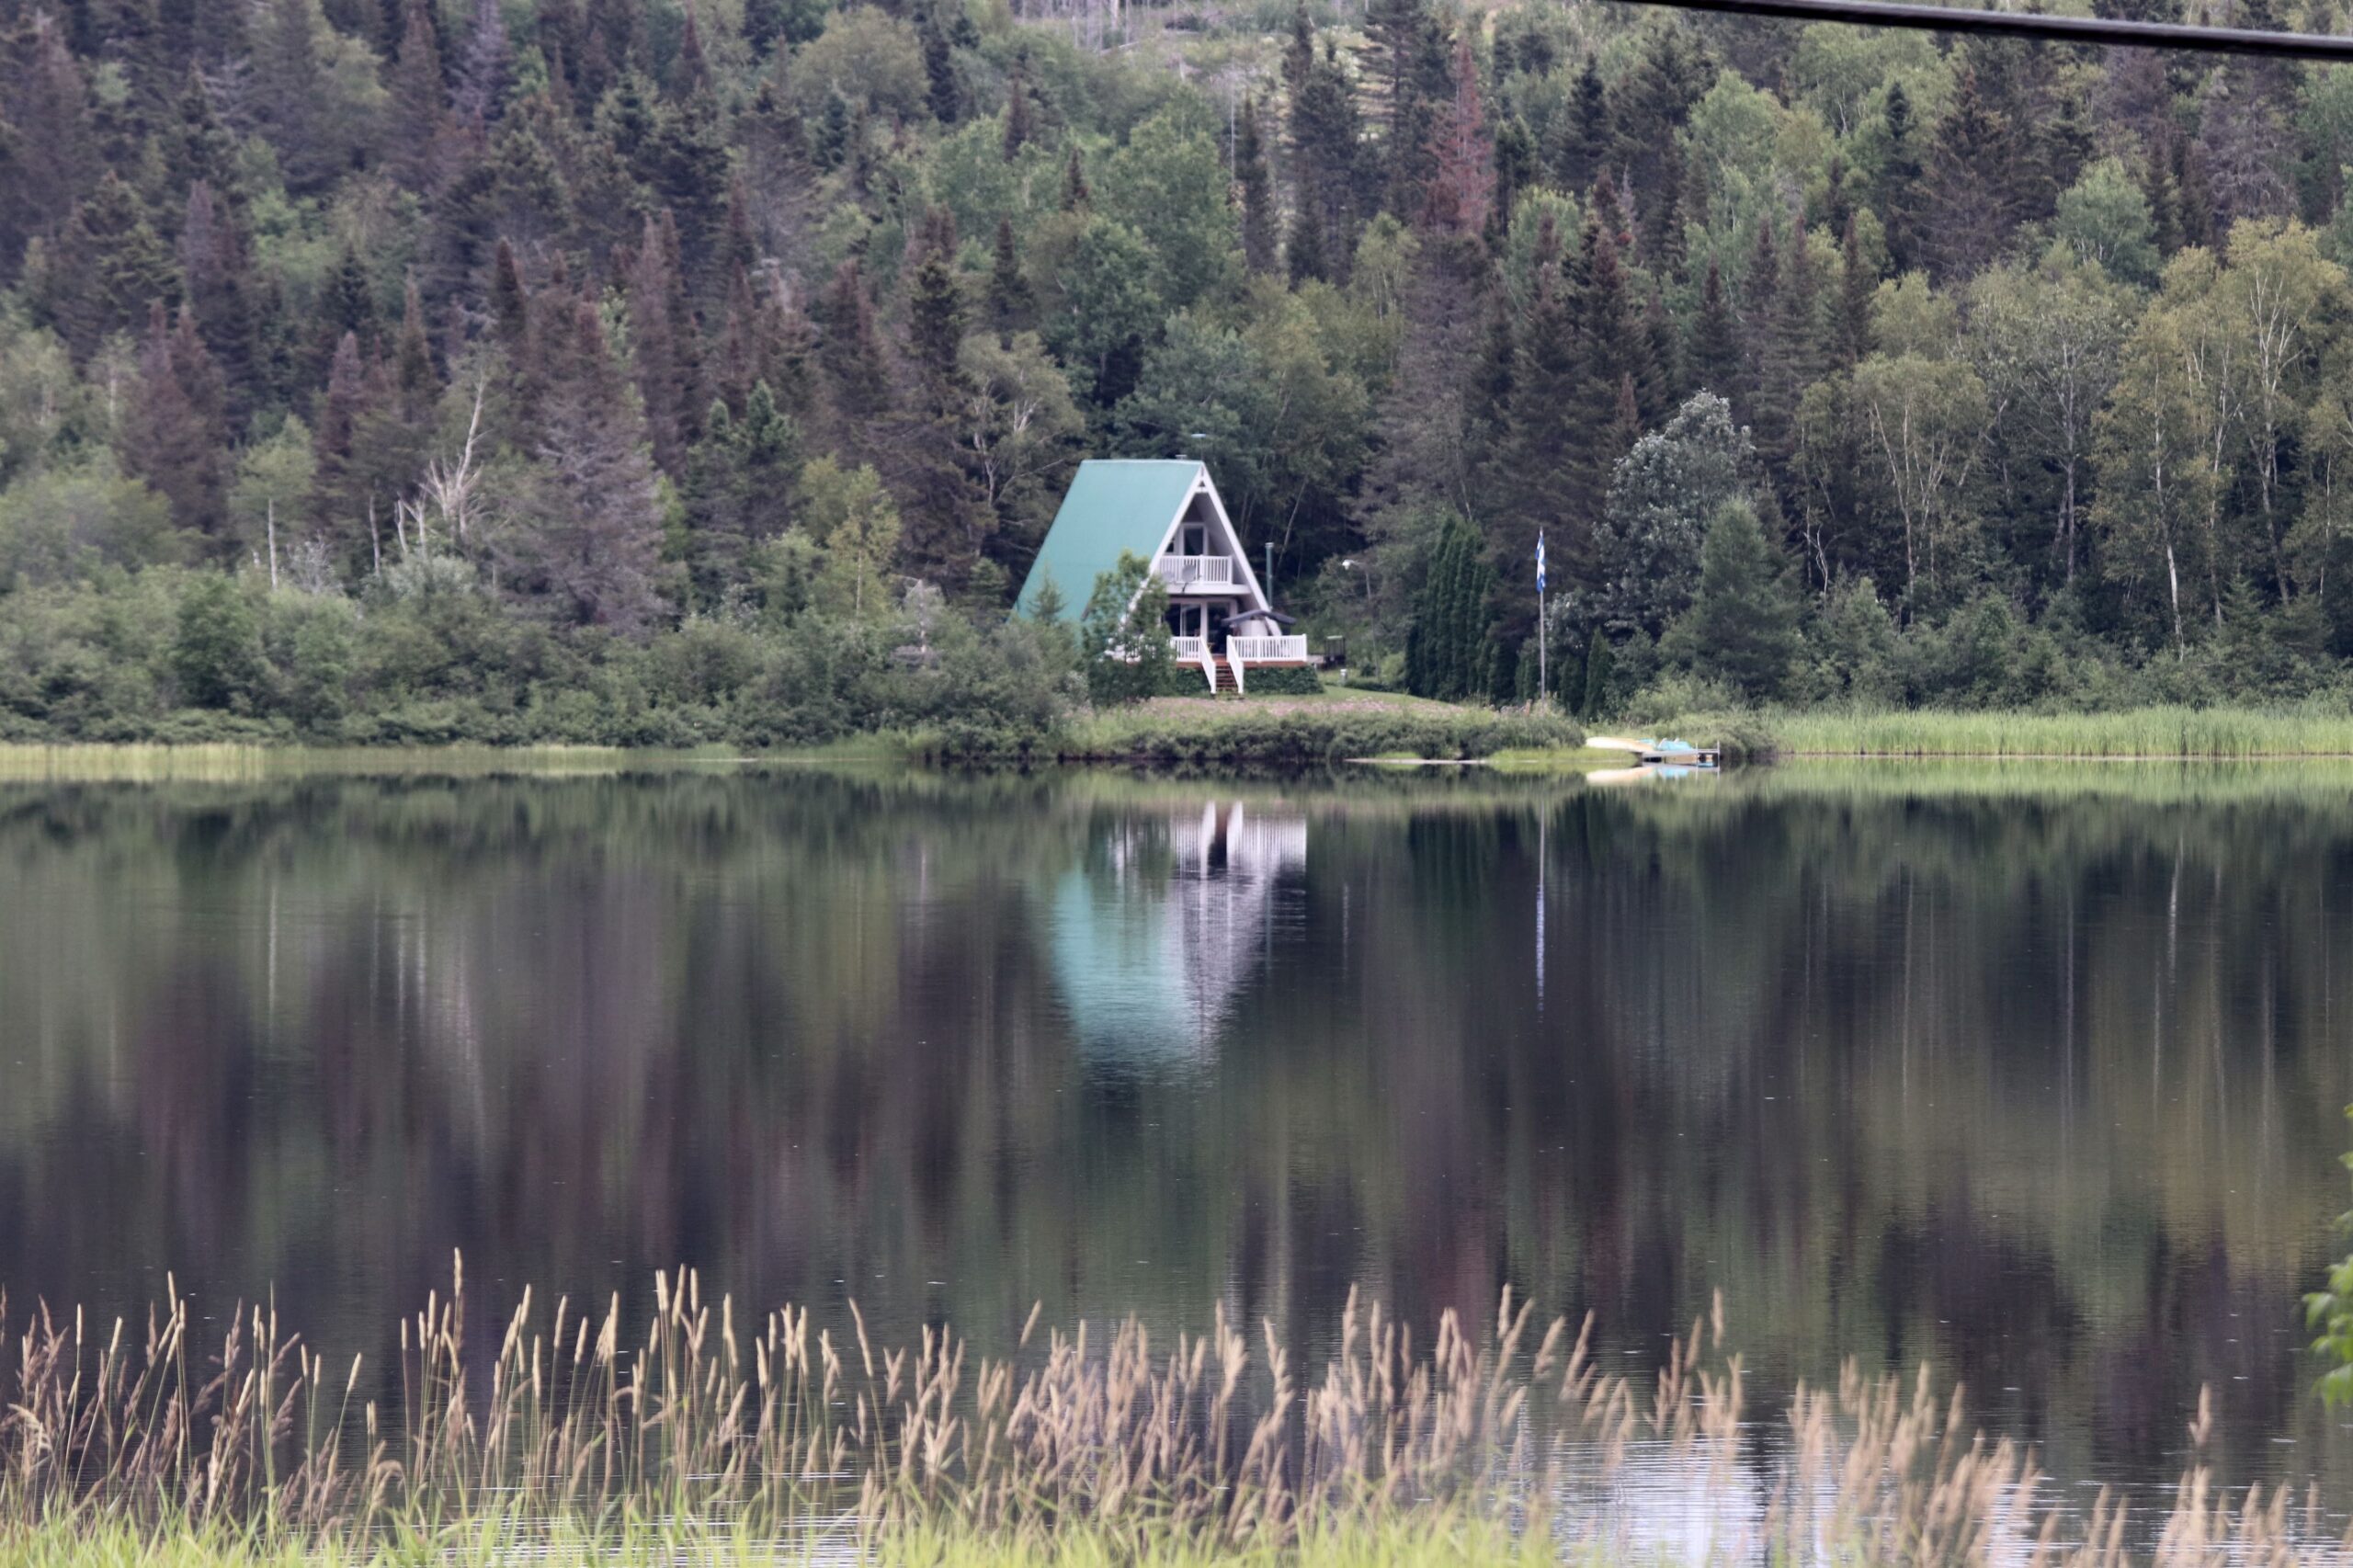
x=1122 y=633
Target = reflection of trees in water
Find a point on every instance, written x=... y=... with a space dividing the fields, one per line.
x=2045 y=1088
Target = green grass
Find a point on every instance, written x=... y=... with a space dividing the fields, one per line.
x=1436 y=1534
x=1291 y=731
x=2147 y=733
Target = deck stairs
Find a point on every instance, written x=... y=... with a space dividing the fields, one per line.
x=1222 y=676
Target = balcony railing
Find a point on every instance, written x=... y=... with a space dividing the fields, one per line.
x=1191 y=649
x=1266 y=650
x=1188 y=570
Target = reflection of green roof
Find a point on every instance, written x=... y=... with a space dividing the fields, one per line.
x=1112 y=506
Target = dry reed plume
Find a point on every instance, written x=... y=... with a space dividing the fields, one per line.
x=773 y=1428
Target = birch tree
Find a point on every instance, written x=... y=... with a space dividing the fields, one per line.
x=1924 y=425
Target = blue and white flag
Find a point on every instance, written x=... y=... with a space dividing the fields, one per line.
x=1540 y=562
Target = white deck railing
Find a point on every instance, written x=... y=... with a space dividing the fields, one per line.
x=1264 y=650
x=1191 y=649
x=1184 y=570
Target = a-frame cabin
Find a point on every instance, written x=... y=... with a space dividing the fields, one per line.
x=1168 y=512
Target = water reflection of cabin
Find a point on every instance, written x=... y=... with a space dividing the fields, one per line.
x=1168 y=512
x=1153 y=940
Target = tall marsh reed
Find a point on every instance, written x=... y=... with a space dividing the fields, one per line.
x=2314 y=729
x=705 y=1434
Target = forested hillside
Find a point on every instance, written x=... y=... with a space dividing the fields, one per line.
x=648 y=370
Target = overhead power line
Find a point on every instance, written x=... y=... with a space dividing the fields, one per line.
x=2015 y=24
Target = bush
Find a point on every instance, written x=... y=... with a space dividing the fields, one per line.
x=1286 y=681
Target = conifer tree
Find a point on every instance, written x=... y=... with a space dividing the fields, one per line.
x=664 y=366
x=941 y=89
x=1076 y=195
x=1715 y=339
x=1260 y=222
x=1584 y=138
x=197 y=146
x=109 y=267
x=220 y=294
x=337 y=499
x=849 y=352
x=419 y=101
x=478 y=84
x=1970 y=199
x=738 y=490
x=1020 y=126
x=53 y=154
x=1462 y=182
x=1305 y=254
x=1448 y=651
x=1741 y=627
x=1900 y=176
x=586 y=532
x=1852 y=338
x=936 y=308
x=1012 y=302
x=510 y=301
x=176 y=436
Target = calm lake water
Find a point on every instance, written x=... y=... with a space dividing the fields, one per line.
x=2036 y=1075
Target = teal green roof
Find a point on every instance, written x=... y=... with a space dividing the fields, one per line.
x=1112 y=504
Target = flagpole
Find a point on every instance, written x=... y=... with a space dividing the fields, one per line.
x=1543 y=632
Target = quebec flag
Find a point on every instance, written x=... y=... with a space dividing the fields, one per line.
x=1540 y=562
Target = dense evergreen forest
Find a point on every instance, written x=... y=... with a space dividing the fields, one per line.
x=683 y=370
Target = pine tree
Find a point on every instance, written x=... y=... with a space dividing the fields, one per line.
x=197 y=146
x=54 y=155
x=1970 y=199
x=1461 y=183
x=664 y=366
x=1741 y=627
x=478 y=85
x=1019 y=121
x=510 y=301
x=419 y=102
x=585 y=537
x=1583 y=137
x=337 y=499
x=176 y=436
x=1305 y=254
x=941 y=89
x=1851 y=339
x=1901 y=180
x=1076 y=195
x=850 y=353
x=1663 y=248
x=1516 y=169
x=1715 y=339
x=1324 y=167
x=107 y=269
x=738 y=490
x=1408 y=59
x=1012 y=302
x=219 y=293
x=1260 y=223
x=1660 y=389
x=936 y=308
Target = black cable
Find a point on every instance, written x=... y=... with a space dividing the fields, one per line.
x=2015 y=24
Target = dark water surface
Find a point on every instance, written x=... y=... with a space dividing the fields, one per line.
x=2036 y=1076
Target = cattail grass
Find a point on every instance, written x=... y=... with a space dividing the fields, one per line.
x=705 y=1433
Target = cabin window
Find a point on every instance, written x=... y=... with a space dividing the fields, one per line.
x=1197 y=539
